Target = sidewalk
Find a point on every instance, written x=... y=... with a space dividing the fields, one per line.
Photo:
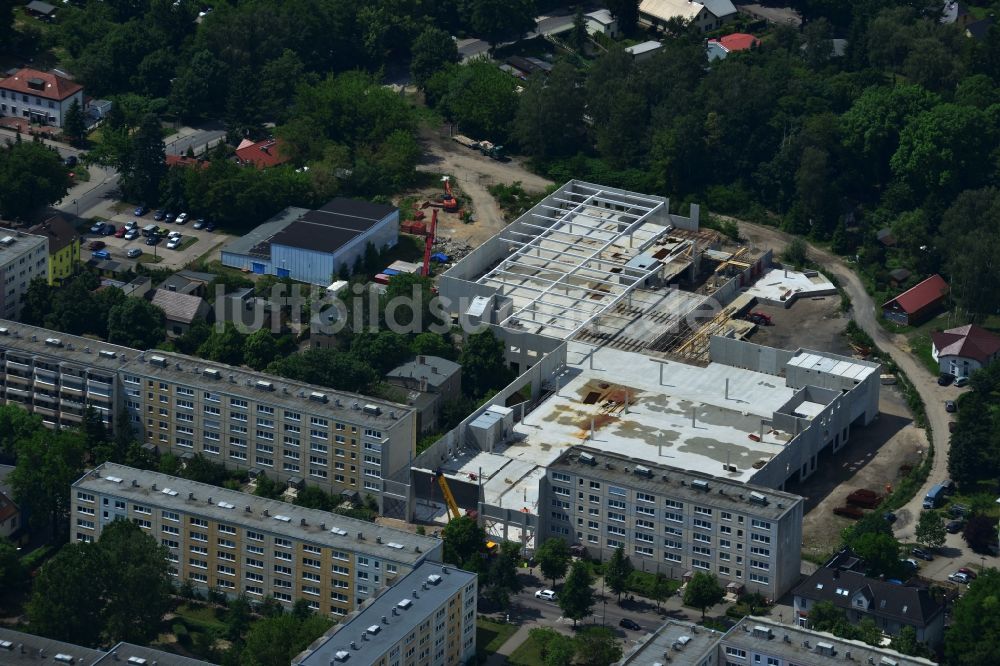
x=499 y=657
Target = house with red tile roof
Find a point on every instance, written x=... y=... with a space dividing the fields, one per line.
x=962 y=350
x=723 y=46
x=41 y=98
x=918 y=304
x=184 y=161
x=261 y=154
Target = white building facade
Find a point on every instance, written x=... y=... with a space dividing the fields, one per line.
x=42 y=98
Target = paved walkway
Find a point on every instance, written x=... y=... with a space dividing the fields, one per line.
x=515 y=641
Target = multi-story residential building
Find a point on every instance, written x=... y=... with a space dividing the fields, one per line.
x=241 y=543
x=17 y=647
x=40 y=97
x=59 y=376
x=64 y=247
x=249 y=420
x=23 y=257
x=427 y=618
x=757 y=641
x=674 y=521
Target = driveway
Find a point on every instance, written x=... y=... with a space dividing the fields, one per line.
x=865 y=313
x=207 y=241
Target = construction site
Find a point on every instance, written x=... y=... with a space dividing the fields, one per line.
x=627 y=326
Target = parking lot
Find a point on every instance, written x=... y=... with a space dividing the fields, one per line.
x=158 y=255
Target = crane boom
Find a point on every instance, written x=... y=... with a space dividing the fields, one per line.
x=429 y=243
x=449 y=499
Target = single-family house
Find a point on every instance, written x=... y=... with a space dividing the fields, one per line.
x=188 y=282
x=890 y=605
x=602 y=22
x=40 y=97
x=260 y=154
x=40 y=10
x=719 y=48
x=430 y=382
x=11 y=519
x=965 y=349
x=64 y=247
x=918 y=304
x=706 y=15
x=180 y=310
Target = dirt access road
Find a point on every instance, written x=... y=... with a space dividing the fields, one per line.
x=473 y=173
x=865 y=314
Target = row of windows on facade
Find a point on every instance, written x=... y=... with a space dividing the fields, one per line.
x=24 y=98
x=650 y=511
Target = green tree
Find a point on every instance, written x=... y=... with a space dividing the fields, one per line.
x=974 y=634
x=47 y=464
x=480 y=98
x=497 y=20
x=557 y=649
x=880 y=553
x=259 y=349
x=483 y=366
x=16 y=425
x=577 y=597
x=549 y=120
x=327 y=367
x=578 y=33
x=432 y=344
x=553 y=558
x=626 y=13
x=145 y=164
x=797 y=253
x=12 y=573
x=703 y=591
x=95 y=432
x=824 y=616
x=905 y=642
x=980 y=533
x=224 y=344
x=136 y=323
x=431 y=51
x=32 y=175
x=617 y=572
x=930 y=530
x=74 y=125
x=239 y=616
x=200 y=89
x=660 y=589
x=314 y=497
x=136 y=583
x=67 y=595
x=381 y=351
x=501 y=575
x=597 y=646
x=275 y=641
x=267 y=487
x=464 y=541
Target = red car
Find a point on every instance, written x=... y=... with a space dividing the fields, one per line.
x=121 y=232
x=968 y=572
x=96 y=245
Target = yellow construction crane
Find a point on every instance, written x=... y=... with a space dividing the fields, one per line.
x=449 y=499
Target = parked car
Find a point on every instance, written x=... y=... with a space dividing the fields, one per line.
x=954 y=526
x=958 y=510
x=911 y=563
x=958 y=577
x=547 y=595
x=71 y=161
x=159 y=215
x=140 y=211
x=169 y=217
x=121 y=232
x=949 y=487
x=131 y=224
x=174 y=243
x=945 y=379
x=629 y=624
x=922 y=554
x=949 y=406
x=962 y=381
x=210 y=226
x=889 y=516
x=97 y=228
x=199 y=223
x=100 y=254
x=970 y=574
x=109 y=229
x=951 y=426
x=152 y=240
x=182 y=218
x=133 y=253
x=96 y=245
x=131 y=234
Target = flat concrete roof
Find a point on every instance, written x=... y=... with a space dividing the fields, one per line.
x=70 y=348
x=657 y=424
x=835 y=365
x=779 y=284
x=265 y=515
x=393 y=614
x=686 y=643
x=263 y=233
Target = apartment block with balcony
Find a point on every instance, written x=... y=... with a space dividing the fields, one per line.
x=241 y=543
x=294 y=432
x=427 y=618
x=23 y=257
x=674 y=521
x=59 y=376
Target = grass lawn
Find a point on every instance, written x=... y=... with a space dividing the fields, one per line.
x=81 y=174
x=529 y=653
x=147 y=258
x=490 y=636
x=201 y=618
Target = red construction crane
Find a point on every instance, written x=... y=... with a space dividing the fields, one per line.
x=449 y=202
x=429 y=243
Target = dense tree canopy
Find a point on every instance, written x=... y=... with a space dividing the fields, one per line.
x=974 y=634
x=31 y=175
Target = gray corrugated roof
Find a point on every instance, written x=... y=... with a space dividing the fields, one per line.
x=395 y=627
x=266 y=231
x=178 y=306
x=434 y=369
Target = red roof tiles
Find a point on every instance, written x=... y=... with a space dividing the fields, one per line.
x=970 y=341
x=262 y=154
x=40 y=84
x=920 y=296
x=738 y=41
